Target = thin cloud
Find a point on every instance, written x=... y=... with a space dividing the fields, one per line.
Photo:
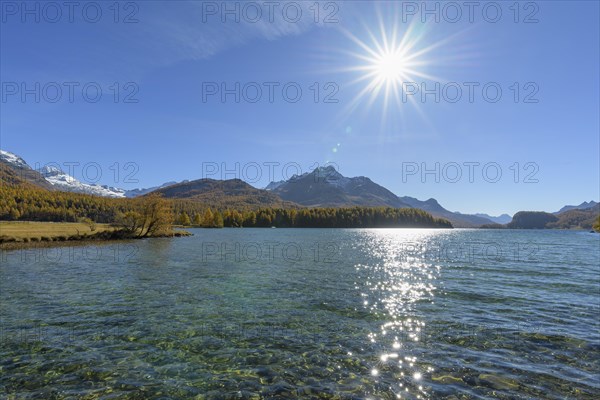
x=181 y=33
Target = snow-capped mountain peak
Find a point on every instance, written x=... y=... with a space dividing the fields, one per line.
x=274 y=185
x=327 y=174
x=66 y=182
x=331 y=176
x=50 y=170
x=59 y=179
x=13 y=159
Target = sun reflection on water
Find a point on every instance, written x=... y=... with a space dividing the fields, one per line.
x=398 y=277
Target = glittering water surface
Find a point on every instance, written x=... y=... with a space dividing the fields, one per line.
x=278 y=313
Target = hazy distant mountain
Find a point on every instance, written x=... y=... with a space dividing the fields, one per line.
x=501 y=219
x=141 y=192
x=582 y=206
x=458 y=220
x=233 y=193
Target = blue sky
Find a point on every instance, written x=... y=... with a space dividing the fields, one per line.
x=177 y=51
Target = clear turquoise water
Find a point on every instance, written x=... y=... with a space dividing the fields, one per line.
x=277 y=313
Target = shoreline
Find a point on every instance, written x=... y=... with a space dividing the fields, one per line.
x=17 y=245
x=28 y=234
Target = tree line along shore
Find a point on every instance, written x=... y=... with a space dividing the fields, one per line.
x=30 y=215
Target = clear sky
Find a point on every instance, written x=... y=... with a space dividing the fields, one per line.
x=173 y=59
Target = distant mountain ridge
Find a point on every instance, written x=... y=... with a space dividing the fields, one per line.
x=326 y=187
x=65 y=182
x=500 y=219
x=459 y=220
x=322 y=187
x=53 y=178
x=232 y=193
x=141 y=192
x=583 y=206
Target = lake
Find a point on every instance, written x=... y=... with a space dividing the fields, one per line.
x=314 y=313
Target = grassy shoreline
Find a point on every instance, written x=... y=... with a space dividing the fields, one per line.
x=18 y=234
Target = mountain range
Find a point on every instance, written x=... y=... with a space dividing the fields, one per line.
x=326 y=187
x=141 y=192
x=231 y=193
x=322 y=187
x=65 y=182
x=51 y=177
x=500 y=219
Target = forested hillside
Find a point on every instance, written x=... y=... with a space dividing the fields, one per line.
x=20 y=203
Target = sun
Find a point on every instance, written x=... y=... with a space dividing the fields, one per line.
x=389 y=68
x=389 y=61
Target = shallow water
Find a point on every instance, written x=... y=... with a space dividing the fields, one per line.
x=280 y=313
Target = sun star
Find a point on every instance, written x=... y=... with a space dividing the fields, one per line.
x=389 y=62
